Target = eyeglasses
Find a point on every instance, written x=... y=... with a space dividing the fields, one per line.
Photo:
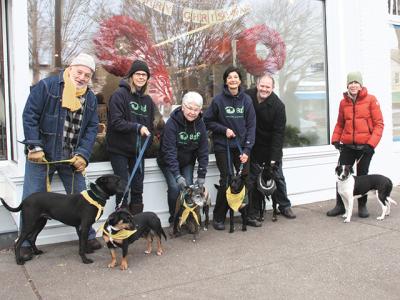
x=192 y=109
x=140 y=74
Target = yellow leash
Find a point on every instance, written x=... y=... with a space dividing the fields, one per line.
x=48 y=163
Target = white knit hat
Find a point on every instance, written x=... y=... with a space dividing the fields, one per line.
x=84 y=59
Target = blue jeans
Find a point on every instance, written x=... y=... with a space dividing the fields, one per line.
x=123 y=167
x=35 y=181
x=173 y=188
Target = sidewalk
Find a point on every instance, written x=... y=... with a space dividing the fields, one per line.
x=311 y=257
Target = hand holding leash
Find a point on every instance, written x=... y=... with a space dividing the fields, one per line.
x=200 y=182
x=181 y=181
x=37 y=156
x=79 y=163
x=230 y=134
x=144 y=131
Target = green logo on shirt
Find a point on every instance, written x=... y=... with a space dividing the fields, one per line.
x=138 y=109
x=184 y=137
x=232 y=112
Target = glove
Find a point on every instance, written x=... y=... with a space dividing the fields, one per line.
x=181 y=181
x=337 y=145
x=200 y=182
x=368 y=149
x=37 y=156
x=79 y=163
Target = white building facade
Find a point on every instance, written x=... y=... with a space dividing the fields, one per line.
x=346 y=39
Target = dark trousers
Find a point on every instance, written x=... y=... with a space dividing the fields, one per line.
x=349 y=157
x=256 y=197
x=221 y=204
x=123 y=167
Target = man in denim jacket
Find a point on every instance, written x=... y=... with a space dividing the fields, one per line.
x=60 y=123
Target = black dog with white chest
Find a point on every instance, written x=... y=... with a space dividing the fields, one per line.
x=78 y=210
x=122 y=228
x=352 y=187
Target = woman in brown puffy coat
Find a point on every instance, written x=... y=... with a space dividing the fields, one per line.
x=357 y=132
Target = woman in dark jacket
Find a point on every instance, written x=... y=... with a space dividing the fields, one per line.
x=130 y=118
x=230 y=116
x=183 y=141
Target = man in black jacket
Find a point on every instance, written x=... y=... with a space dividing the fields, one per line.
x=270 y=133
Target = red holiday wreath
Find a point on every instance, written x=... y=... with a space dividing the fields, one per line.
x=247 y=55
x=120 y=41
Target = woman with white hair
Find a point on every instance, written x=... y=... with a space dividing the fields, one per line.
x=183 y=141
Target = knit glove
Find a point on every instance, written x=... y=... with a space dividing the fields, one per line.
x=181 y=181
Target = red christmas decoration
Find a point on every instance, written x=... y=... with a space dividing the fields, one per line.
x=120 y=41
x=247 y=55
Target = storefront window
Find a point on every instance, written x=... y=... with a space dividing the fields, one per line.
x=188 y=45
x=395 y=71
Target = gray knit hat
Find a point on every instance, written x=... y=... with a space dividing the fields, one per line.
x=84 y=59
x=354 y=76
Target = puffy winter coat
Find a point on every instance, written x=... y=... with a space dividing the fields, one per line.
x=359 y=122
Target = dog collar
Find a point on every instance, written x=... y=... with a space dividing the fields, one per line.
x=186 y=212
x=93 y=202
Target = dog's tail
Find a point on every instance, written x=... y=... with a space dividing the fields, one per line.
x=163 y=233
x=390 y=200
x=12 y=209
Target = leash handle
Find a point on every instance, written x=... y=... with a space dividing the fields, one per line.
x=137 y=163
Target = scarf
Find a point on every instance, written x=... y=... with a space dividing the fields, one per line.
x=70 y=96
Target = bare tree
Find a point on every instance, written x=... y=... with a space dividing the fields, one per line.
x=190 y=46
x=301 y=28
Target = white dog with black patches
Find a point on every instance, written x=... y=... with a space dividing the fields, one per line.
x=353 y=187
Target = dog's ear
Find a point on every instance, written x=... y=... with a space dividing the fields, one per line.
x=338 y=169
x=351 y=169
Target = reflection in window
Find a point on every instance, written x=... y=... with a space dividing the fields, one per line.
x=188 y=45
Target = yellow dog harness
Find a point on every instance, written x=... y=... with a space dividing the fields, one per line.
x=89 y=199
x=186 y=212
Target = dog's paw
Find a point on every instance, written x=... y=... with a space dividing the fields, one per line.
x=124 y=265
x=380 y=218
x=112 y=264
x=147 y=251
x=344 y=216
x=160 y=252
x=346 y=220
x=38 y=252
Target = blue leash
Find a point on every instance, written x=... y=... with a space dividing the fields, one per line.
x=137 y=163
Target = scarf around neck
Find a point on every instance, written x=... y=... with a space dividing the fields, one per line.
x=70 y=96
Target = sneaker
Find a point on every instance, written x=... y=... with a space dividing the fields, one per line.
x=94 y=244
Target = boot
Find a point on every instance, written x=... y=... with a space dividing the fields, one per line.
x=338 y=209
x=135 y=208
x=362 y=208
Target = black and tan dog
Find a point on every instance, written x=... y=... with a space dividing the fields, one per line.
x=187 y=211
x=78 y=210
x=122 y=228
